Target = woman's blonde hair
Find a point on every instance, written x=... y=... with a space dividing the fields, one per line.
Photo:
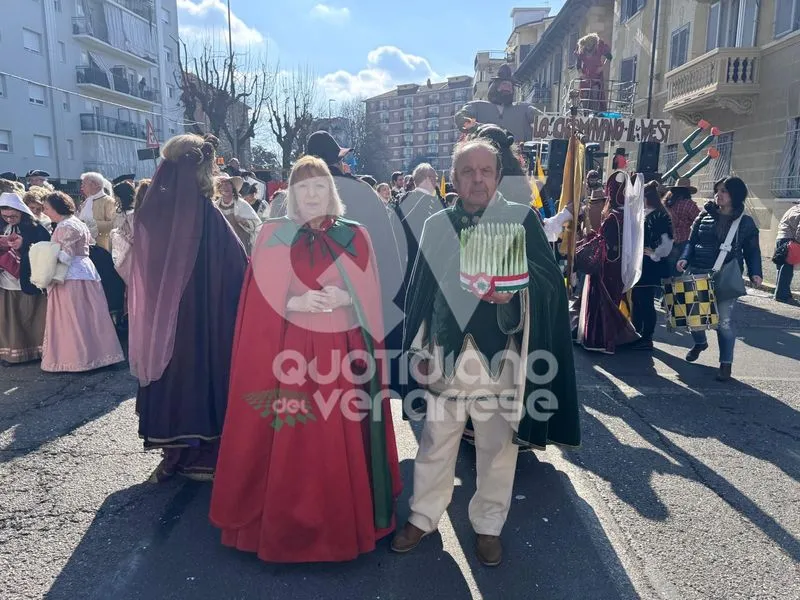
x=35 y=195
x=307 y=168
x=201 y=151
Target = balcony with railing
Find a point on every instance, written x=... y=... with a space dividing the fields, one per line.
x=725 y=78
x=143 y=8
x=539 y=95
x=116 y=87
x=609 y=97
x=93 y=123
x=98 y=39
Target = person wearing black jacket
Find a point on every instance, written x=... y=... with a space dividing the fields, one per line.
x=22 y=305
x=658 y=242
x=708 y=233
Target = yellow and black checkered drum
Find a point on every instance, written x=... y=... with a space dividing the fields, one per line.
x=690 y=303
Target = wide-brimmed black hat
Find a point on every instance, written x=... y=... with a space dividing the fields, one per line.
x=9 y=175
x=322 y=145
x=504 y=73
x=37 y=173
x=121 y=178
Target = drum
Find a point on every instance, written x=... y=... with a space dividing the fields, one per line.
x=690 y=303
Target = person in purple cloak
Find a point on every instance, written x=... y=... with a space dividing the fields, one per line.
x=186 y=275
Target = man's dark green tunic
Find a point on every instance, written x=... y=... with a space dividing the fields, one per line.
x=448 y=314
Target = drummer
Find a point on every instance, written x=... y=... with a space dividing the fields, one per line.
x=708 y=233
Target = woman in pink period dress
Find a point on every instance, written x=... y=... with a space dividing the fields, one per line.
x=79 y=334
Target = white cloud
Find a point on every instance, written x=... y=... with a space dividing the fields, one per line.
x=201 y=20
x=387 y=67
x=330 y=13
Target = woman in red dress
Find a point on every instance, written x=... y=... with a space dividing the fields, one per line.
x=308 y=469
x=602 y=326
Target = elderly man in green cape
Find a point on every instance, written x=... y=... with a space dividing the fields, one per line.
x=503 y=359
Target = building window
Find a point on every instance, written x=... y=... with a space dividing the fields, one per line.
x=573 y=46
x=557 y=66
x=32 y=41
x=65 y=102
x=786 y=183
x=627 y=74
x=5 y=141
x=165 y=16
x=679 y=47
x=168 y=55
x=629 y=8
x=57 y=5
x=3 y=92
x=62 y=52
x=732 y=24
x=41 y=145
x=787 y=17
x=36 y=94
x=670 y=157
x=70 y=150
x=722 y=167
x=170 y=91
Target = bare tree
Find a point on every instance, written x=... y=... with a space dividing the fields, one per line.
x=230 y=91
x=367 y=138
x=291 y=112
x=264 y=158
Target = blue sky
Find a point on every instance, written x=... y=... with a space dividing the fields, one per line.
x=361 y=47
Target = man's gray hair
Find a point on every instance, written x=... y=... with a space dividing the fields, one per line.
x=464 y=148
x=422 y=172
x=96 y=178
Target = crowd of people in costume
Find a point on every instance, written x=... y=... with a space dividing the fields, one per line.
x=261 y=330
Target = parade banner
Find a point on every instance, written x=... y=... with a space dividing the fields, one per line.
x=601 y=129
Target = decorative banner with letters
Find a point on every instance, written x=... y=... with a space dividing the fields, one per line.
x=600 y=129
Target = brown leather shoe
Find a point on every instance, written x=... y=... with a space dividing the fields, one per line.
x=489 y=550
x=408 y=538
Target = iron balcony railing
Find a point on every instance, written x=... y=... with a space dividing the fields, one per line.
x=119 y=83
x=143 y=8
x=83 y=26
x=100 y=124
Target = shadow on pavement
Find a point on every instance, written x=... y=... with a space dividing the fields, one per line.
x=43 y=407
x=737 y=415
x=178 y=554
x=156 y=542
x=767 y=331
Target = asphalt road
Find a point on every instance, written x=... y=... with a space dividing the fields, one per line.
x=683 y=488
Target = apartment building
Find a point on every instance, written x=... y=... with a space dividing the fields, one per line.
x=81 y=79
x=528 y=25
x=418 y=121
x=735 y=64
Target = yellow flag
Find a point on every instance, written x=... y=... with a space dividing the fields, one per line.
x=443 y=187
x=537 y=196
x=536 y=183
